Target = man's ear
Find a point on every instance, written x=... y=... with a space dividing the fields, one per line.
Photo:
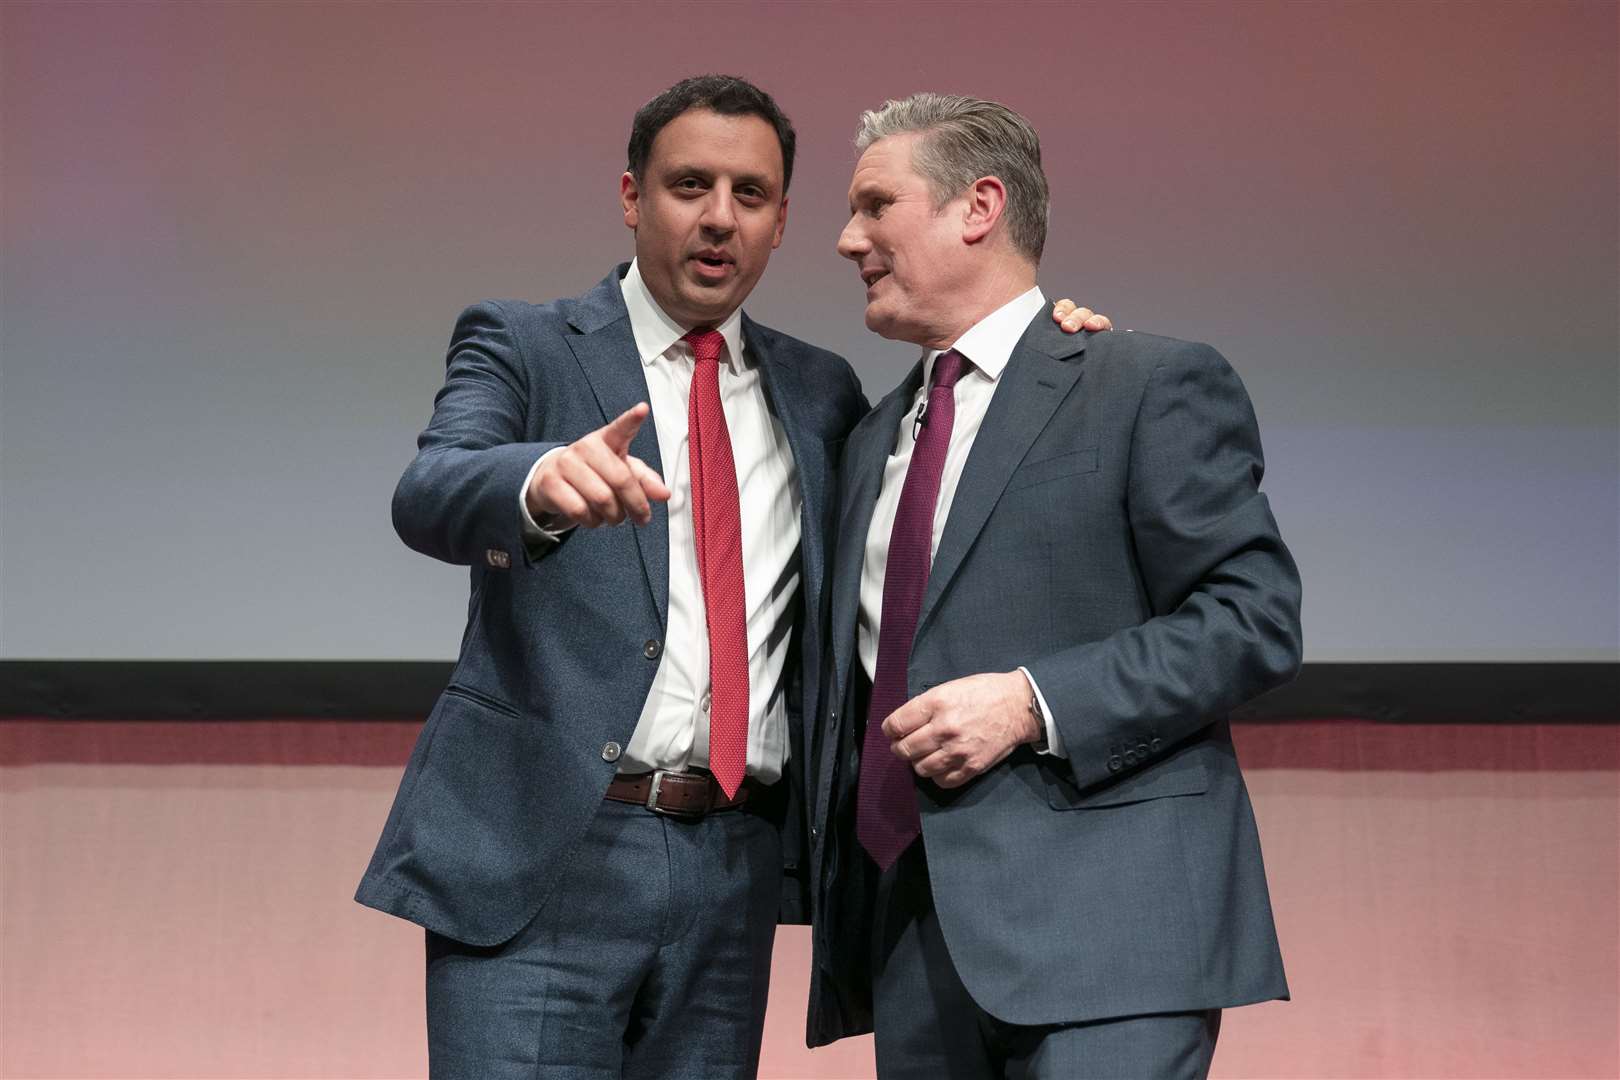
x=781 y=224
x=630 y=199
x=986 y=201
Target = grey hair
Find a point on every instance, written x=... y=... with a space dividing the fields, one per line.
x=963 y=140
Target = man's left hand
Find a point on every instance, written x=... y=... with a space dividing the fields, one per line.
x=959 y=729
x=1073 y=318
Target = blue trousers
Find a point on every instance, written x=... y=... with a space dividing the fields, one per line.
x=651 y=959
x=927 y=1026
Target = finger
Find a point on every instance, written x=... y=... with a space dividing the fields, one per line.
x=565 y=502
x=941 y=761
x=617 y=474
x=1099 y=322
x=955 y=778
x=918 y=745
x=1076 y=320
x=627 y=489
x=617 y=435
x=906 y=719
x=593 y=489
x=652 y=485
x=1062 y=309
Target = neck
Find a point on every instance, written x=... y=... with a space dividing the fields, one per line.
x=988 y=291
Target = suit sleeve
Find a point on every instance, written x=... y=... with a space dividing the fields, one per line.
x=1224 y=591
x=459 y=497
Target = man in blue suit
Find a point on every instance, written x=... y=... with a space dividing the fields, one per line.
x=600 y=868
x=1055 y=576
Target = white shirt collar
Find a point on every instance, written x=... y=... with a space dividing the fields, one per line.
x=655 y=331
x=989 y=343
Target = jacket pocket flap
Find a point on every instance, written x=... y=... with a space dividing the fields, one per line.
x=1181 y=775
x=1054 y=468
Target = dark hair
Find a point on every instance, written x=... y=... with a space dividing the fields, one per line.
x=727 y=95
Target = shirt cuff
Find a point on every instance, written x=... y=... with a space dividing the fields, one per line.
x=534 y=531
x=1054 y=739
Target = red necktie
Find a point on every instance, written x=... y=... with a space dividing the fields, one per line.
x=886 y=820
x=717 y=530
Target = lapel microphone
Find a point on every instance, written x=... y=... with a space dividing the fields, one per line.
x=920 y=420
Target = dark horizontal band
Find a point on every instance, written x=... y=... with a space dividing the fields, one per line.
x=370 y=690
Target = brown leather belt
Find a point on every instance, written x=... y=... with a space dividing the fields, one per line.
x=679 y=794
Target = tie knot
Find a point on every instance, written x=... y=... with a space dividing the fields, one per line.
x=948 y=367
x=706 y=344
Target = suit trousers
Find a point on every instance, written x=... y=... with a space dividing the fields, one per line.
x=928 y=1026
x=651 y=959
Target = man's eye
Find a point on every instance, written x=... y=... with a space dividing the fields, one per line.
x=690 y=183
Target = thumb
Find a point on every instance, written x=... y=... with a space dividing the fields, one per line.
x=623 y=428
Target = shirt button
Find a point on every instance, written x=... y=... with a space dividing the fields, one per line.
x=611 y=751
x=652 y=648
x=704 y=704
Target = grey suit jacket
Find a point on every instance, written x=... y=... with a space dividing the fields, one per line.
x=1109 y=534
x=562 y=640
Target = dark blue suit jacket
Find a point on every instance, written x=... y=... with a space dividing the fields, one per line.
x=562 y=639
x=1109 y=534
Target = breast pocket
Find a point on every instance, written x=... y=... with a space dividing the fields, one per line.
x=1073 y=463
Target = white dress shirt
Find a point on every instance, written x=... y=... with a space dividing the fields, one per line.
x=987 y=347
x=673 y=730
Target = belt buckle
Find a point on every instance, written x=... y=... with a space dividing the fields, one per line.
x=668 y=811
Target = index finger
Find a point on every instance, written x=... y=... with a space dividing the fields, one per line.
x=618 y=433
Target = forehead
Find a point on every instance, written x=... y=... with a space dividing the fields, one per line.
x=886 y=165
x=700 y=138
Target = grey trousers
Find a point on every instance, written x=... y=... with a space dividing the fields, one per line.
x=650 y=959
x=929 y=1028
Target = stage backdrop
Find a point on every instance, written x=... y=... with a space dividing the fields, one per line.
x=235 y=238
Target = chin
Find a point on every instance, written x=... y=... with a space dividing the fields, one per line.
x=883 y=324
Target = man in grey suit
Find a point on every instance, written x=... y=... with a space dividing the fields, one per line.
x=1055 y=575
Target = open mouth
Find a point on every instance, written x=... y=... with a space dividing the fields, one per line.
x=872 y=277
x=711 y=263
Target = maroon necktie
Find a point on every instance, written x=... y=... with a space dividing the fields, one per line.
x=717 y=532
x=886 y=820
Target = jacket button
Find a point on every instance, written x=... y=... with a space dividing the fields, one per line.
x=1114 y=764
x=652 y=648
x=611 y=751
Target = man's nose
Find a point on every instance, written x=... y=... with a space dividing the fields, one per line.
x=852 y=241
x=718 y=215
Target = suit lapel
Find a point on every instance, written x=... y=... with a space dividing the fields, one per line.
x=606 y=351
x=1042 y=370
x=784 y=392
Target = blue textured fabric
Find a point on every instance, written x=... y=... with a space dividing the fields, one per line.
x=654 y=947
x=563 y=638
x=1108 y=533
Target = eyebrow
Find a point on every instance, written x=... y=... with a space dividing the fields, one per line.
x=865 y=191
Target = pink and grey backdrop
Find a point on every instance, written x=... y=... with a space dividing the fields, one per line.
x=233 y=238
